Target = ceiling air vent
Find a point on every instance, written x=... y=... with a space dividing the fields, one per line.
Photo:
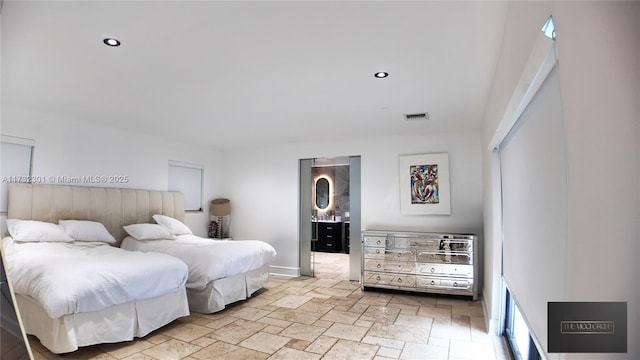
x=417 y=116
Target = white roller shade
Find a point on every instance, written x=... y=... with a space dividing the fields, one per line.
x=534 y=192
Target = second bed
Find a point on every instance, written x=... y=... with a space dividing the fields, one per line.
x=220 y=271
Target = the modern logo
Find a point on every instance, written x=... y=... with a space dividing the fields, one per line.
x=587 y=327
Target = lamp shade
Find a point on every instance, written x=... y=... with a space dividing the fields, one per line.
x=220 y=207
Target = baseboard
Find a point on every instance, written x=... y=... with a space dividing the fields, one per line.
x=284 y=271
x=492 y=325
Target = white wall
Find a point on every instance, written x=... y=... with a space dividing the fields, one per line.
x=599 y=54
x=263 y=187
x=67 y=147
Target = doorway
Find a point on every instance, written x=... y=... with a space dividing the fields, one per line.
x=330 y=214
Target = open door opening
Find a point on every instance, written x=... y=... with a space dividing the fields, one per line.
x=329 y=204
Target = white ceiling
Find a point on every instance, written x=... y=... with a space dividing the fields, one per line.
x=236 y=74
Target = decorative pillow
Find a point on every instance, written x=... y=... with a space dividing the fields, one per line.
x=176 y=227
x=36 y=231
x=85 y=230
x=148 y=232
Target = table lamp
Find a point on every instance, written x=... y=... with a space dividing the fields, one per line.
x=220 y=208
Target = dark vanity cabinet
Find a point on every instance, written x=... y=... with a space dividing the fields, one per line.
x=329 y=237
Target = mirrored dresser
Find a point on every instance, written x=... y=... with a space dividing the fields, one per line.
x=420 y=261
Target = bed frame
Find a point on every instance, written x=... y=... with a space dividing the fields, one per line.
x=114 y=208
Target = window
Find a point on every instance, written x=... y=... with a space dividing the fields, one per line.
x=517 y=333
x=16 y=164
x=187 y=178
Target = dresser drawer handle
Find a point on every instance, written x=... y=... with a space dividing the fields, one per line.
x=433 y=282
x=399 y=280
x=329 y=236
x=433 y=270
x=378 y=278
x=377 y=251
x=329 y=227
x=379 y=266
x=455 y=284
x=378 y=242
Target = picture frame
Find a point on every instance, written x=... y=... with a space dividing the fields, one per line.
x=424 y=184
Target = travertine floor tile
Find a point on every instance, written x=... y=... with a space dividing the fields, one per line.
x=295 y=316
x=452 y=332
x=399 y=332
x=439 y=315
x=237 y=331
x=122 y=350
x=414 y=321
x=384 y=342
x=389 y=352
x=424 y=352
x=172 y=349
x=137 y=356
x=292 y=301
x=288 y=354
x=345 y=349
x=316 y=306
x=322 y=345
x=469 y=350
x=380 y=314
x=347 y=332
x=307 y=318
x=303 y=332
x=265 y=342
x=298 y=344
x=217 y=350
x=344 y=317
x=250 y=313
x=187 y=332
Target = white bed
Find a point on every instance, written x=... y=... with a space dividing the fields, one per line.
x=74 y=294
x=220 y=271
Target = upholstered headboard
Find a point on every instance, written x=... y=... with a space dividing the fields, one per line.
x=113 y=207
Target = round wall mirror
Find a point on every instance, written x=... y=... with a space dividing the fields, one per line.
x=322 y=193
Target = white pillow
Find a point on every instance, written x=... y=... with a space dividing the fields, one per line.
x=84 y=230
x=148 y=232
x=36 y=231
x=176 y=227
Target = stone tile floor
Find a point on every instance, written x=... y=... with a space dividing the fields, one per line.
x=321 y=317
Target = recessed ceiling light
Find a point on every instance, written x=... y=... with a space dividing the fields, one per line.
x=111 y=42
x=381 y=74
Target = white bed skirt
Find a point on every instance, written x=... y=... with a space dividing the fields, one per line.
x=225 y=291
x=115 y=324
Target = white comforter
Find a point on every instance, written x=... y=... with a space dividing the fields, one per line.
x=209 y=259
x=68 y=278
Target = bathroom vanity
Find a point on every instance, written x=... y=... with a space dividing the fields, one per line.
x=329 y=236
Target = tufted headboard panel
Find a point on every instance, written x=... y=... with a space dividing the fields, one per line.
x=113 y=207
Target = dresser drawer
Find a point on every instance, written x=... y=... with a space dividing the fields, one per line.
x=443 y=283
x=389 y=255
x=444 y=257
x=425 y=244
x=390 y=266
x=378 y=241
x=445 y=269
x=375 y=278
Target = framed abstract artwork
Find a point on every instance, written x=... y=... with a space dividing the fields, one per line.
x=424 y=184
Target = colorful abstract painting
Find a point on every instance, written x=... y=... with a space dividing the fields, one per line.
x=424 y=184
